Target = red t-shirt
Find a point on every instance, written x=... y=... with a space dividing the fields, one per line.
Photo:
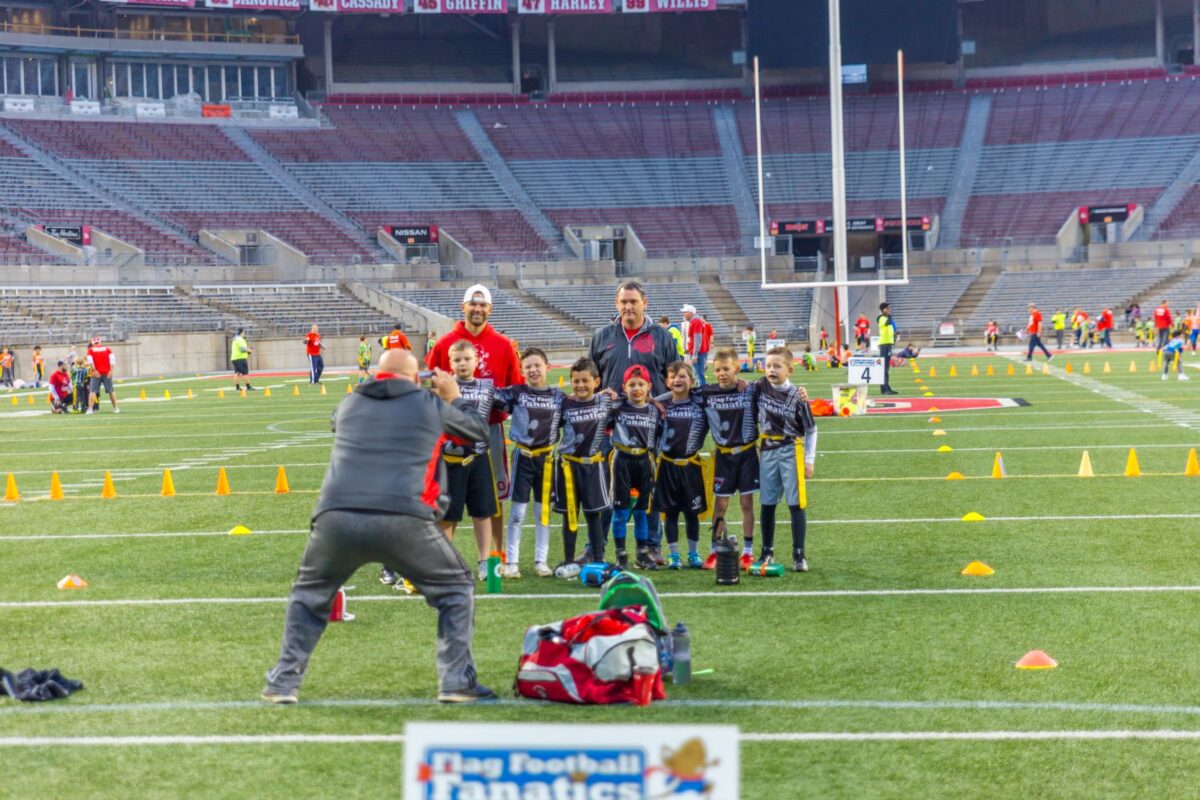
x=1106 y=320
x=1035 y=322
x=862 y=325
x=706 y=335
x=312 y=344
x=60 y=383
x=397 y=339
x=497 y=358
x=100 y=358
x=1162 y=317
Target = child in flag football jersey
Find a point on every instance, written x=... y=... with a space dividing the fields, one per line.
x=471 y=482
x=535 y=411
x=635 y=422
x=679 y=486
x=787 y=451
x=581 y=477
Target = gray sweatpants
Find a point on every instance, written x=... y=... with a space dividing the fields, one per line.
x=341 y=542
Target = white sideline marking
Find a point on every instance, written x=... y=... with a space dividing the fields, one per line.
x=590 y=596
x=796 y=705
x=749 y=738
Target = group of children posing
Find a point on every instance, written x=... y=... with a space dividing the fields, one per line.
x=601 y=458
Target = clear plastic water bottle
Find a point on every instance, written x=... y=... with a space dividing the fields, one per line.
x=681 y=646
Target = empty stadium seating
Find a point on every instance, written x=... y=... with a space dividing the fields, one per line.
x=374 y=134
x=515 y=319
x=1185 y=218
x=708 y=230
x=149 y=141
x=926 y=301
x=307 y=231
x=786 y=311
x=1091 y=289
x=18 y=327
x=1035 y=217
x=291 y=309
x=159 y=247
x=81 y=312
x=498 y=235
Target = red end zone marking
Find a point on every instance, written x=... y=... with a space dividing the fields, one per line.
x=922 y=405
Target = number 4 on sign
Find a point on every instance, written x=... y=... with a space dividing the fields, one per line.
x=866 y=375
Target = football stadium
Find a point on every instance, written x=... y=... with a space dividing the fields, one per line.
x=599 y=399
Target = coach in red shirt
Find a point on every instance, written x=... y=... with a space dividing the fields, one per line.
x=498 y=361
x=1162 y=324
x=1105 y=325
x=101 y=360
x=313 y=348
x=1034 y=329
x=60 y=389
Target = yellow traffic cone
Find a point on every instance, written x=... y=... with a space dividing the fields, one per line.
x=31 y=400
x=348 y=389
x=998 y=467
x=323 y=389
x=1132 y=470
x=56 y=492
x=1155 y=364
x=190 y=395
x=168 y=486
x=991 y=371
x=1029 y=369
x=933 y=372
x=281 y=482
x=1012 y=370
x=953 y=371
x=266 y=391
x=166 y=394
x=1085 y=466
x=1107 y=368
x=220 y=394
x=973 y=516
x=1132 y=367
x=1068 y=368
x=560 y=381
x=1192 y=470
x=955 y=476
x=296 y=391
x=1045 y=369
x=1087 y=368
x=222 y=483
x=243 y=392
x=974 y=371
x=11 y=495
x=142 y=395
x=945 y=449
x=109 y=491
x=977 y=569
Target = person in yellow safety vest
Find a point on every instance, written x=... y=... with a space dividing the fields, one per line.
x=1059 y=321
x=887 y=338
x=676 y=334
x=239 y=357
x=1077 y=317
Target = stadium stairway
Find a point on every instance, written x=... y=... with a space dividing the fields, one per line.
x=734 y=160
x=549 y=311
x=971 y=148
x=253 y=325
x=64 y=171
x=259 y=155
x=1172 y=196
x=537 y=219
x=964 y=309
x=725 y=305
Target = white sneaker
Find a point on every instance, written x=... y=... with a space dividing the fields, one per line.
x=482 y=567
x=542 y=570
x=510 y=571
x=116 y=411
x=1164 y=377
x=1183 y=377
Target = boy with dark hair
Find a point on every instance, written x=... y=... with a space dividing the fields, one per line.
x=679 y=486
x=581 y=480
x=729 y=406
x=787 y=451
x=535 y=411
x=469 y=478
x=635 y=422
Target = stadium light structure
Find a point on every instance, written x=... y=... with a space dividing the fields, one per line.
x=841 y=281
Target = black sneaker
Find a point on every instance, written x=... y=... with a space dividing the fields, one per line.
x=622 y=559
x=657 y=556
x=388 y=577
x=644 y=559
x=586 y=558
x=251 y=388
x=767 y=556
x=800 y=564
x=472 y=694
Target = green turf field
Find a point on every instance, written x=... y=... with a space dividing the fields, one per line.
x=881 y=673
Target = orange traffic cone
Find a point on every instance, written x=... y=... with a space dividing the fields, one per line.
x=222 y=483
x=11 y=495
x=1036 y=659
x=281 y=482
x=1192 y=469
x=168 y=485
x=56 y=492
x=109 y=491
x=1132 y=470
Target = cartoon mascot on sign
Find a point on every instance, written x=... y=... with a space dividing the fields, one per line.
x=682 y=773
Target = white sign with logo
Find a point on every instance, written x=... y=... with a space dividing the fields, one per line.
x=443 y=761
x=281 y=111
x=86 y=107
x=151 y=109
x=22 y=104
x=862 y=370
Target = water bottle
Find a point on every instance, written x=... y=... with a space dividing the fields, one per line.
x=493 y=573
x=681 y=646
x=762 y=570
x=727 y=561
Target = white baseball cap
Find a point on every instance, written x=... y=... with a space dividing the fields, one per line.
x=688 y=309
x=477 y=292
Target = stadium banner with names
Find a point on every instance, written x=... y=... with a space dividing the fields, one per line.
x=413 y=234
x=460 y=6
x=819 y=227
x=254 y=5
x=664 y=6
x=78 y=235
x=564 y=6
x=358 y=6
x=168 y=3
x=1103 y=215
x=614 y=762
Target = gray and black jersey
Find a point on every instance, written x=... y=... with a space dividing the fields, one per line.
x=480 y=393
x=783 y=416
x=535 y=415
x=683 y=428
x=635 y=427
x=583 y=425
x=732 y=416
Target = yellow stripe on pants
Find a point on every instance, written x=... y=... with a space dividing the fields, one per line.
x=800 y=474
x=708 y=469
x=569 y=490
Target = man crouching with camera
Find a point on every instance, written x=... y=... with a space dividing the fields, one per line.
x=382 y=495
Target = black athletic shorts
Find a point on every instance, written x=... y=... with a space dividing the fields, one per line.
x=591 y=486
x=735 y=473
x=240 y=366
x=527 y=477
x=679 y=489
x=632 y=472
x=471 y=487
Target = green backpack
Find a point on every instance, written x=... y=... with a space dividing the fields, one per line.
x=627 y=589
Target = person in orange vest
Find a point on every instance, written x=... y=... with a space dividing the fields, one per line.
x=1162 y=324
x=1104 y=327
x=395 y=339
x=6 y=367
x=39 y=367
x=1034 y=331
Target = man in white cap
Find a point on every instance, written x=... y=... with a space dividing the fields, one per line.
x=697 y=335
x=497 y=360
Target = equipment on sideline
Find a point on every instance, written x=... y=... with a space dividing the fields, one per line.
x=727 y=552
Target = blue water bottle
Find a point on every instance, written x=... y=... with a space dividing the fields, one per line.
x=681 y=647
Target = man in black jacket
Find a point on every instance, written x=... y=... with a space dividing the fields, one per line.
x=632 y=339
x=383 y=492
